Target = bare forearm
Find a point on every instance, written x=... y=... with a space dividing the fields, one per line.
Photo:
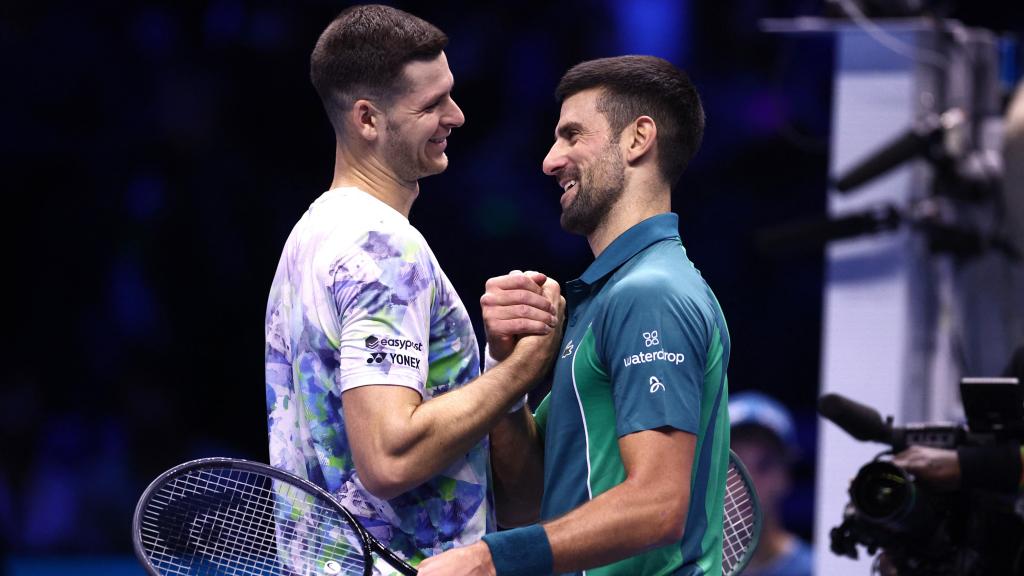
x=624 y=521
x=517 y=459
x=398 y=441
x=400 y=453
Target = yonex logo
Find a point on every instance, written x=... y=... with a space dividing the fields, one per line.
x=400 y=359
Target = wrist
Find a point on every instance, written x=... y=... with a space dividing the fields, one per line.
x=490 y=362
x=498 y=348
x=520 y=552
x=484 y=561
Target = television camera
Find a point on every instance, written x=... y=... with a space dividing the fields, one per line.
x=921 y=529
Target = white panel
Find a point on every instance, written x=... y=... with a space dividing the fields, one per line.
x=866 y=319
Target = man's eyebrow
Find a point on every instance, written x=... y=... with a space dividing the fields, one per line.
x=440 y=93
x=566 y=130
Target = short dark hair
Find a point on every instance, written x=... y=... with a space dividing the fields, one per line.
x=635 y=86
x=362 y=52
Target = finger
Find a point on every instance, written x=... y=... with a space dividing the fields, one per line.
x=517 y=327
x=517 y=297
x=551 y=290
x=512 y=282
x=519 y=311
x=538 y=277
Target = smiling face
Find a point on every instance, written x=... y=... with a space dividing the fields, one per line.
x=587 y=163
x=419 y=120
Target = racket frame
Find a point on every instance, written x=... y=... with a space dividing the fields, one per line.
x=369 y=543
x=755 y=503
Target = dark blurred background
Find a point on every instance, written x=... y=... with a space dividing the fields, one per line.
x=156 y=154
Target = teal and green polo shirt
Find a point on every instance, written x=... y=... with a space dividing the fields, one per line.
x=645 y=346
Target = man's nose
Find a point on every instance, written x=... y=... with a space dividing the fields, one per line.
x=554 y=161
x=454 y=117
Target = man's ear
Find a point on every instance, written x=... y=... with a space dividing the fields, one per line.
x=366 y=119
x=641 y=137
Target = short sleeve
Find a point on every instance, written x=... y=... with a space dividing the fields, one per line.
x=654 y=340
x=540 y=415
x=383 y=292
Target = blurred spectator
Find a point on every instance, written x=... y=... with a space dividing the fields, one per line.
x=764 y=437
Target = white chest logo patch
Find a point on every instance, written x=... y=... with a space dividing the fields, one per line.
x=568 y=350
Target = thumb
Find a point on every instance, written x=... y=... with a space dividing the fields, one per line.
x=539 y=277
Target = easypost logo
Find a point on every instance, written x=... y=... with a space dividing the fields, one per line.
x=373 y=342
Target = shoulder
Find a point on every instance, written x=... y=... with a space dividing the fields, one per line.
x=351 y=241
x=660 y=274
x=346 y=217
x=360 y=235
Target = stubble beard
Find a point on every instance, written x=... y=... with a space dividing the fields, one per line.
x=404 y=158
x=598 y=189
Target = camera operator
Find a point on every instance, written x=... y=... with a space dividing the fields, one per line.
x=995 y=468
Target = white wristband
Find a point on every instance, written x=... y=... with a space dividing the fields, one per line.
x=491 y=362
x=520 y=404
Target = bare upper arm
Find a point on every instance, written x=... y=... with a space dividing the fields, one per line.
x=661 y=461
x=378 y=422
x=374 y=411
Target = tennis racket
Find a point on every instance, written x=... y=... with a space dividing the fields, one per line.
x=741 y=522
x=221 y=516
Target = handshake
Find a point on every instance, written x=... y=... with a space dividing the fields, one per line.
x=523 y=314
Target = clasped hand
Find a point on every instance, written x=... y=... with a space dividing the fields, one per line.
x=519 y=305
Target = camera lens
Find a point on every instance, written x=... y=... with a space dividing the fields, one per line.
x=883 y=492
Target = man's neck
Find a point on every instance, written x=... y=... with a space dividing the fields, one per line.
x=634 y=206
x=365 y=172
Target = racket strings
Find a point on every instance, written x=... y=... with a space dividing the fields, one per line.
x=220 y=554
x=228 y=521
x=738 y=520
x=241 y=534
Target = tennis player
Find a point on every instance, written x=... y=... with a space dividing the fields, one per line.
x=622 y=468
x=372 y=364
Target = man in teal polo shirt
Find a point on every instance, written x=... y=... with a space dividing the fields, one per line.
x=624 y=462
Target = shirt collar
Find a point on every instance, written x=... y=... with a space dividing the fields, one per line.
x=629 y=243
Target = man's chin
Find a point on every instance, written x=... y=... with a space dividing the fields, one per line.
x=436 y=165
x=572 y=225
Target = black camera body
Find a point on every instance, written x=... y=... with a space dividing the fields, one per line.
x=924 y=531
